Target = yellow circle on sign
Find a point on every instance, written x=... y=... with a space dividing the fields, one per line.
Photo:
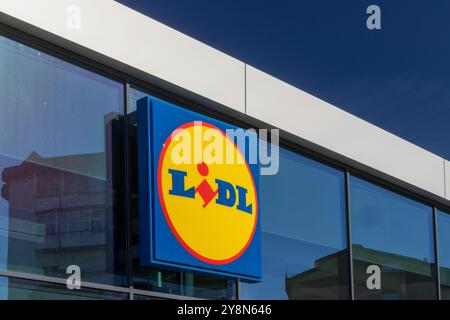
x=212 y=232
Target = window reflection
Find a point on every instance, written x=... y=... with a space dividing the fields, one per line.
x=443 y=226
x=303 y=233
x=60 y=159
x=396 y=234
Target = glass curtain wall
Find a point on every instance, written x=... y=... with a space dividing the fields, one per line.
x=443 y=231
x=60 y=164
x=393 y=244
x=304 y=242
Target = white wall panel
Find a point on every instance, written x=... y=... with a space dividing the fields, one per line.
x=310 y=118
x=447 y=179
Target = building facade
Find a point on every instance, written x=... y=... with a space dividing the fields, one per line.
x=347 y=195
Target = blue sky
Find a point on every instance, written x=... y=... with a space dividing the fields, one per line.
x=397 y=78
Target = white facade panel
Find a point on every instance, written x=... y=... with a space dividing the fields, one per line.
x=275 y=102
x=120 y=33
x=447 y=179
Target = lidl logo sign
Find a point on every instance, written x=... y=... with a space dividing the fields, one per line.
x=221 y=202
x=196 y=212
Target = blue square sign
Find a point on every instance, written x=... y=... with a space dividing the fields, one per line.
x=198 y=192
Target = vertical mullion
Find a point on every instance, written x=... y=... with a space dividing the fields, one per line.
x=127 y=189
x=238 y=289
x=131 y=294
x=349 y=233
x=182 y=287
x=436 y=253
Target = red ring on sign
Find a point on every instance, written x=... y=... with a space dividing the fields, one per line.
x=164 y=209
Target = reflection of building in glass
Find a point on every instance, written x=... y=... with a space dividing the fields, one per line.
x=61 y=212
x=57 y=212
x=401 y=277
x=321 y=282
x=445 y=282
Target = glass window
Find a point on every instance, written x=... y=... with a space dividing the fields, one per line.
x=59 y=164
x=160 y=280
x=21 y=289
x=395 y=234
x=134 y=96
x=443 y=226
x=304 y=243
